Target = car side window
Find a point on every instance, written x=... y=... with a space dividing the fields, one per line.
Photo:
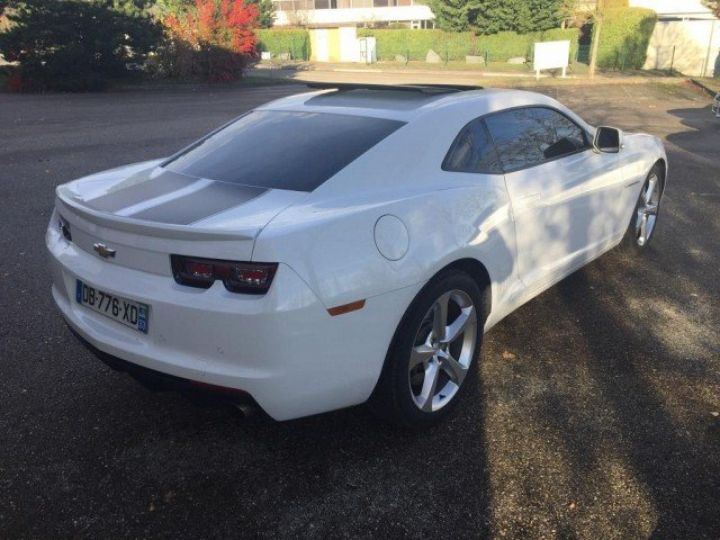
x=473 y=151
x=529 y=136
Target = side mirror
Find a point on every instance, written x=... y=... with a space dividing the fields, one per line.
x=607 y=140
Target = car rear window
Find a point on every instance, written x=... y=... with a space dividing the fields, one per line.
x=282 y=150
x=473 y=151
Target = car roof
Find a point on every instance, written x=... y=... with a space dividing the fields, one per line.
x=405 y=103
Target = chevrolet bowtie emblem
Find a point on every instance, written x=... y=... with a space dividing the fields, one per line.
x=104 y=251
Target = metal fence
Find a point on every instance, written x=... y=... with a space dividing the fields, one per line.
x=442 y=54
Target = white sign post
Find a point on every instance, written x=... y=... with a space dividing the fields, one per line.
x=551 y=55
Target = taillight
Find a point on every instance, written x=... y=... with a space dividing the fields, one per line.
x=238 y=277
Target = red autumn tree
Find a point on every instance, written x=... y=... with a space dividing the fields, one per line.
x=219 y=35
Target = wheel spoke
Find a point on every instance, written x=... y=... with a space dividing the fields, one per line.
x=432 y=374
x=452 y=367
x=642 y=236
x=650 y=191
x=435 y=374
x=651 y=209
x=440 y=311
x=421 y=355
x=458 y=326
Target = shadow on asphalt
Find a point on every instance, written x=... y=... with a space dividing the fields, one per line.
x=703 y=136
x=597 y=425
x=676 y=466
x=431 y=478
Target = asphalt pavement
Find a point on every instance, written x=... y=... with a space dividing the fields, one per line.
x=596 y=413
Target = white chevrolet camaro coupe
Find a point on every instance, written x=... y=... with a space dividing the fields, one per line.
x=346 y=245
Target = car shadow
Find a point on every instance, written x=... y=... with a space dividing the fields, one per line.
x=676 y=466
x=367 y=459
x=703 y=136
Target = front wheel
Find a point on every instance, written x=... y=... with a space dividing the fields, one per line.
x=433 y=352
x=645 y=215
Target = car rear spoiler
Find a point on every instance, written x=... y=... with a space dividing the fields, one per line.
x=66 y=205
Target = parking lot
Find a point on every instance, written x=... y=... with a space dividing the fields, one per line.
x=596 y=413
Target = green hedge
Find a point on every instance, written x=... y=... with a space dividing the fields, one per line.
x=624 y=38
x=615 y=4
x=279 y=41
x=415 y=44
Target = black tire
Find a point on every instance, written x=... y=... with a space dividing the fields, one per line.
x=393 y=398
x=630 y=240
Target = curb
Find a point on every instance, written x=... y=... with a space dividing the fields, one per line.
x=339 y=75
x=703 y=86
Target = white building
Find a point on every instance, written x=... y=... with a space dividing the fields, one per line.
x=333 y=23
x=686 y=37
x=337 y=13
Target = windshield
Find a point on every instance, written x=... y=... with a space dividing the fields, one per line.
x=283 y=150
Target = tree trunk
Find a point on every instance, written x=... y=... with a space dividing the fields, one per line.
x=597 y=28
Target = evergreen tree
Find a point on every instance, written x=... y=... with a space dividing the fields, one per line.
x=454 y=15
x=76 y=44
x=535 y=15
x=131 y=8
x=492 y=16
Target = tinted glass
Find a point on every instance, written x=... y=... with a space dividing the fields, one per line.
x=283 y=150
x=608 y=138
x=529 y=136
x=473 y=151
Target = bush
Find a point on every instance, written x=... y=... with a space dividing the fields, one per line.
x=414 y=44
x=75 y=45
x=266 y=12
x=560 y=34
x=211 y=40
x=294 y=42
x=624 y=38
x=504 y=45
x=616 y=4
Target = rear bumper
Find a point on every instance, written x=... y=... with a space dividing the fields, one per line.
x=157 y=381
x=283 y=348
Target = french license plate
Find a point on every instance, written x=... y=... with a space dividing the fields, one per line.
x=127 y=312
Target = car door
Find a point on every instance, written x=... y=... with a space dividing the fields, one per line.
x=563 y=194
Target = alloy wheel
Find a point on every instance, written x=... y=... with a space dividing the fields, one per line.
x=647 y=210
x=443 y=350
